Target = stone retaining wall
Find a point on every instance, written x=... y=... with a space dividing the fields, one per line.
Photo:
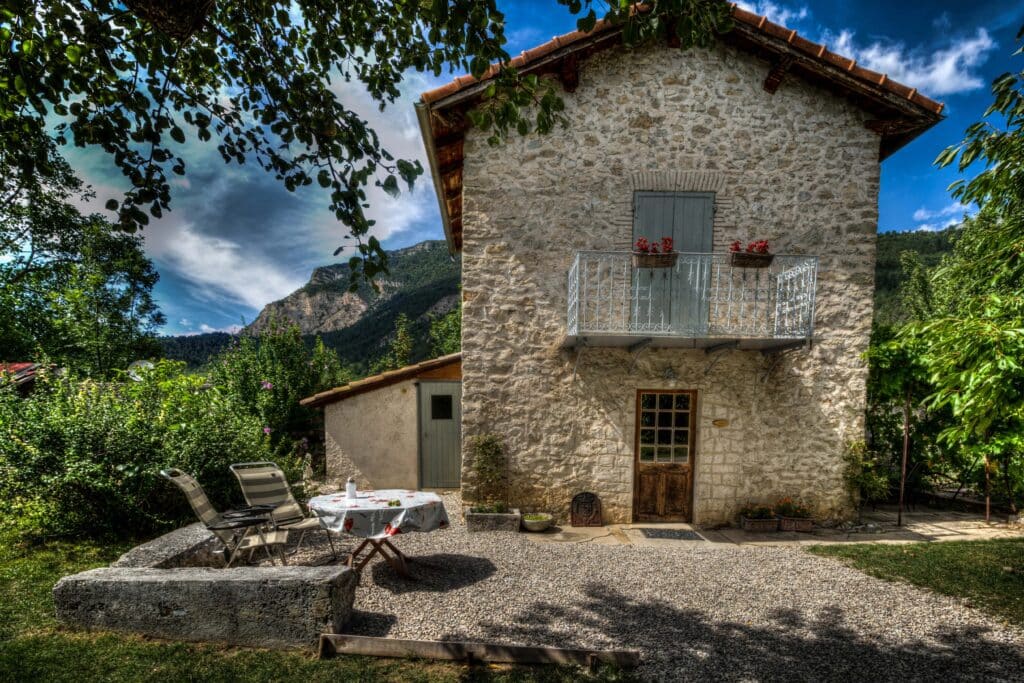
x=166 y=589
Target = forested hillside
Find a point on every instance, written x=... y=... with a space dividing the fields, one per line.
x=423 y=283
x=930 y=246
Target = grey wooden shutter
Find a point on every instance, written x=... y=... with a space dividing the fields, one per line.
x=676 y=295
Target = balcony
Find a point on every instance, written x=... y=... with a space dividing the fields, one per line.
x=701 y=302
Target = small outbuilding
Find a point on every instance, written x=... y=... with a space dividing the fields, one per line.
x=398 y=429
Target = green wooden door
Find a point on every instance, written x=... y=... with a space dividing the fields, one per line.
x=673 y=299
x=440 y=417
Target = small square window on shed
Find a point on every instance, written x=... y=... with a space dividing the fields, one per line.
x=441 y=407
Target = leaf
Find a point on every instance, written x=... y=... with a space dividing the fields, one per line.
x=111 y=205
x=391 y=186
x=587 y=23
x=73 y=53
x=177 y=134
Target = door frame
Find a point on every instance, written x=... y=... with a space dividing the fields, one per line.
x=420 y=426
x=694 y=405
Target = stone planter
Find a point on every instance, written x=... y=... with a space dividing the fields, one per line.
x=802 y=524
x=493 y=521
x=642 y=260
x=759 y=525
x=538 y=524
x=746 y=259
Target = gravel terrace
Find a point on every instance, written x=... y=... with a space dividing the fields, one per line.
x=694 y=612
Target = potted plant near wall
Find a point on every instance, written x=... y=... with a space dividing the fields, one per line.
x=756 y=254
x=488 y=487
x=654 y=253
x=536 y=521
x=758 y=518
x=793 y=515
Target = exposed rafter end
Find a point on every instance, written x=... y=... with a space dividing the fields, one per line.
x=780 y=67
x=723 y=346
x=569 y=72
x=892 y=126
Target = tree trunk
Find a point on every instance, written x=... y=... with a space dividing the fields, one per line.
x=903 y=465
x=988 y=492
x=1008 y=482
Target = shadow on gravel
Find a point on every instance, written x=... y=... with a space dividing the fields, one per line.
x=434 y=573
x=375 y=624
x=683 y=644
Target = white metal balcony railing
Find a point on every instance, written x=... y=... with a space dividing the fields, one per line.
x=702 y=297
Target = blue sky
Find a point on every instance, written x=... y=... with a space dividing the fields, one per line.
x=236 y=240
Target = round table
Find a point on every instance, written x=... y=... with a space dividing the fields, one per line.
x=376 y=517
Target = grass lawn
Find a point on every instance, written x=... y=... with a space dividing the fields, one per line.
x=990 y=574
x=34 y=647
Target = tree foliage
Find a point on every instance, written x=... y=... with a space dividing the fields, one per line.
x=965 y=353
x=446 y=332
x=142 y=80
x=73 y=288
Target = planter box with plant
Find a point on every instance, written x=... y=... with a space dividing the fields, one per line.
x=756 y=255
x=657 y=254
x=758 y=518
x=489 y=487
x=793 y=515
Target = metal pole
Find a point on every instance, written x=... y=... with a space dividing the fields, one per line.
x=906 y=450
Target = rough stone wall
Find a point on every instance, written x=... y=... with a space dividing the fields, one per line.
x=373 y=437
x=797 y=168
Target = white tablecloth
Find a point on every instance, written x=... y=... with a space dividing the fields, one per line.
x=370 y=516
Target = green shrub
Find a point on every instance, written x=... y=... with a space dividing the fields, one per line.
x=752 y=511
x=787 y=507
x=489 y=468
x=83 y=457
x=865 y=474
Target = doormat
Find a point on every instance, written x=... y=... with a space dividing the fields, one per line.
x=671 y=534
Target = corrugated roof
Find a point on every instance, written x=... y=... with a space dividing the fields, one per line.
x=378 y=381
x=904 y=112
x=22 y=372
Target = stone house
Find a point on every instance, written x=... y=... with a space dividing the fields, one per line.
x=680 y=392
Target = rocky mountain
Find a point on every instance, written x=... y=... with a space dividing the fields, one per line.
x=423 y=281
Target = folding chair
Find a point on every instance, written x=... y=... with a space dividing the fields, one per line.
x=238 y=530
x=264 y=484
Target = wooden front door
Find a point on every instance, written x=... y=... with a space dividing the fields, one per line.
x=664 y=455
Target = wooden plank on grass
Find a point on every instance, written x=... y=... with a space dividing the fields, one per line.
x=334 y=644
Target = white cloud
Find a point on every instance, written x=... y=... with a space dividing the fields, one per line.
x=780 y=14
x=230 y=329
x=935 y=227
x=951 y=69
x=954 y=209
x=219 y=268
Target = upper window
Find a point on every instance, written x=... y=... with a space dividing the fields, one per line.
x=441 y=407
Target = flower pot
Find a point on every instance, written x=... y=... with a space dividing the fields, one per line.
x=759 y=525
x=746 y=259
x=537 y=524
x=642 y=260
x=802 y=524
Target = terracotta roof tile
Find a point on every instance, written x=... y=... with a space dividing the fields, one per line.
x=377 y=381
x=740 y=15
x=928 y=110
